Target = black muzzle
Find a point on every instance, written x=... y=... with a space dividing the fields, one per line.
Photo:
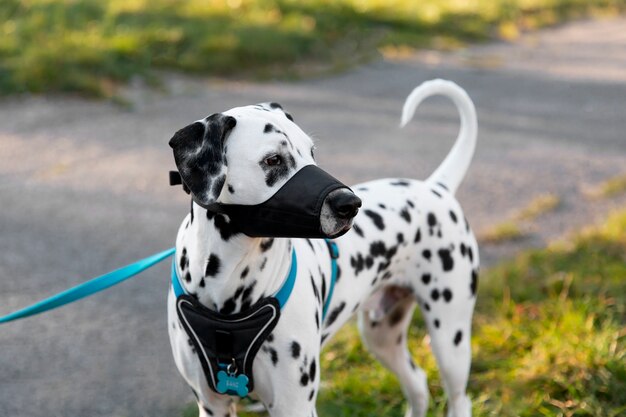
x=293 y=211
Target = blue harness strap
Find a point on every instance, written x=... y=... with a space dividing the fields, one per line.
x=282 y=295
x=334 y=254
x=90 y=287
x=284 y=292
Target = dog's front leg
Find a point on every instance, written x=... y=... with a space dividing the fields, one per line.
x=289 y=385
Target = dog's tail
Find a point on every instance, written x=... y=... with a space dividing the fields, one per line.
x=453 y=168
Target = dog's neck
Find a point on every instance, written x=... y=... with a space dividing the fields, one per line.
x=229 y=271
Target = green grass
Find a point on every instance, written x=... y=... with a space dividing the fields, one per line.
x=517 y=226
x=541 y=204
x=92 y=46
x=610 y=188
x=549 y=339
x=501 y=232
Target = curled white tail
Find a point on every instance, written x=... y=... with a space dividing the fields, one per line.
x=455 y=165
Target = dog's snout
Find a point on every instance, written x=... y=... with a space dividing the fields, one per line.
x=345 y=205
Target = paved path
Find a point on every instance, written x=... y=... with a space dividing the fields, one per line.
x=83 y=187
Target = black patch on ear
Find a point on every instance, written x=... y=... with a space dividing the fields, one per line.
x=276 y=106
x=199 y=155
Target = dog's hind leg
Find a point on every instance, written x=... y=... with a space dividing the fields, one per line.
x=450 y=342
x=383 y=324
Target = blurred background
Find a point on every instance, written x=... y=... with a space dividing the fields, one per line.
x=92 y=90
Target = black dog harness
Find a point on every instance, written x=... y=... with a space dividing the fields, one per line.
x=227 y=344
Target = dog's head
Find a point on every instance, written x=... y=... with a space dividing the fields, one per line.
x=245 y=155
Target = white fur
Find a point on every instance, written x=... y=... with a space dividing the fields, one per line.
x=384 y=294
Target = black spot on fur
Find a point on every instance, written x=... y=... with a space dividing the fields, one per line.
x=222 y=224
x=244 y=273
x=453 y=216
x=426 y=306
x=447 y=295
x=312 y=370
x=334 y=314
x=401 y=183
x=434 y=294
x=202 y=283
x=458 y=337
x=376 y=218
x=315 y=290
x=436 y=193
x=229 y=306
x=273 y=355
x=436 y=323
x=231 y=189
x=442 y=186
x=184 y=261
x=404 y=213
x=212 y=266
x=426 y=254
x=410 y=203
x=418 y=236
x=474 y=283
x=263 y=263
x=446 y=259
x=426 y=279
x=269 y=128
x=311 y=394
x=275 y=105
x=187 y=277
x=378 y=248
x=462 y=249
x=191 y=211
x=304 y=379
x=432 y=220
x=400 y=238
x=358 y=263
x=295 y=350
x=266 y=244
x=247 y=293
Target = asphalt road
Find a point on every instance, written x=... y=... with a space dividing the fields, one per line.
x=83 y=190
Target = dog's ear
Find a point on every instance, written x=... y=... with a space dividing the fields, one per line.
x=199 y=156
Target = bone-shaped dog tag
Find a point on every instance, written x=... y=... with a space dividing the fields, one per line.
x=232 y=384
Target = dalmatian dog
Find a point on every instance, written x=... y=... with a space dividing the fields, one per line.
x=409 y=245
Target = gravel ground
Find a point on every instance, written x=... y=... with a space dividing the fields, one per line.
x=83 y=187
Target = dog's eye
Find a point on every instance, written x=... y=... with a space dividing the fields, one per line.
x=273 y=160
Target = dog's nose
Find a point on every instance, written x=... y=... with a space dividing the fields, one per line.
x=345 y=205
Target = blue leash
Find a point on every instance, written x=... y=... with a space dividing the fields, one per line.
x=90 y=287
x=119 y=275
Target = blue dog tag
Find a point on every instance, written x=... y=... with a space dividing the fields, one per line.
x=232 y=384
